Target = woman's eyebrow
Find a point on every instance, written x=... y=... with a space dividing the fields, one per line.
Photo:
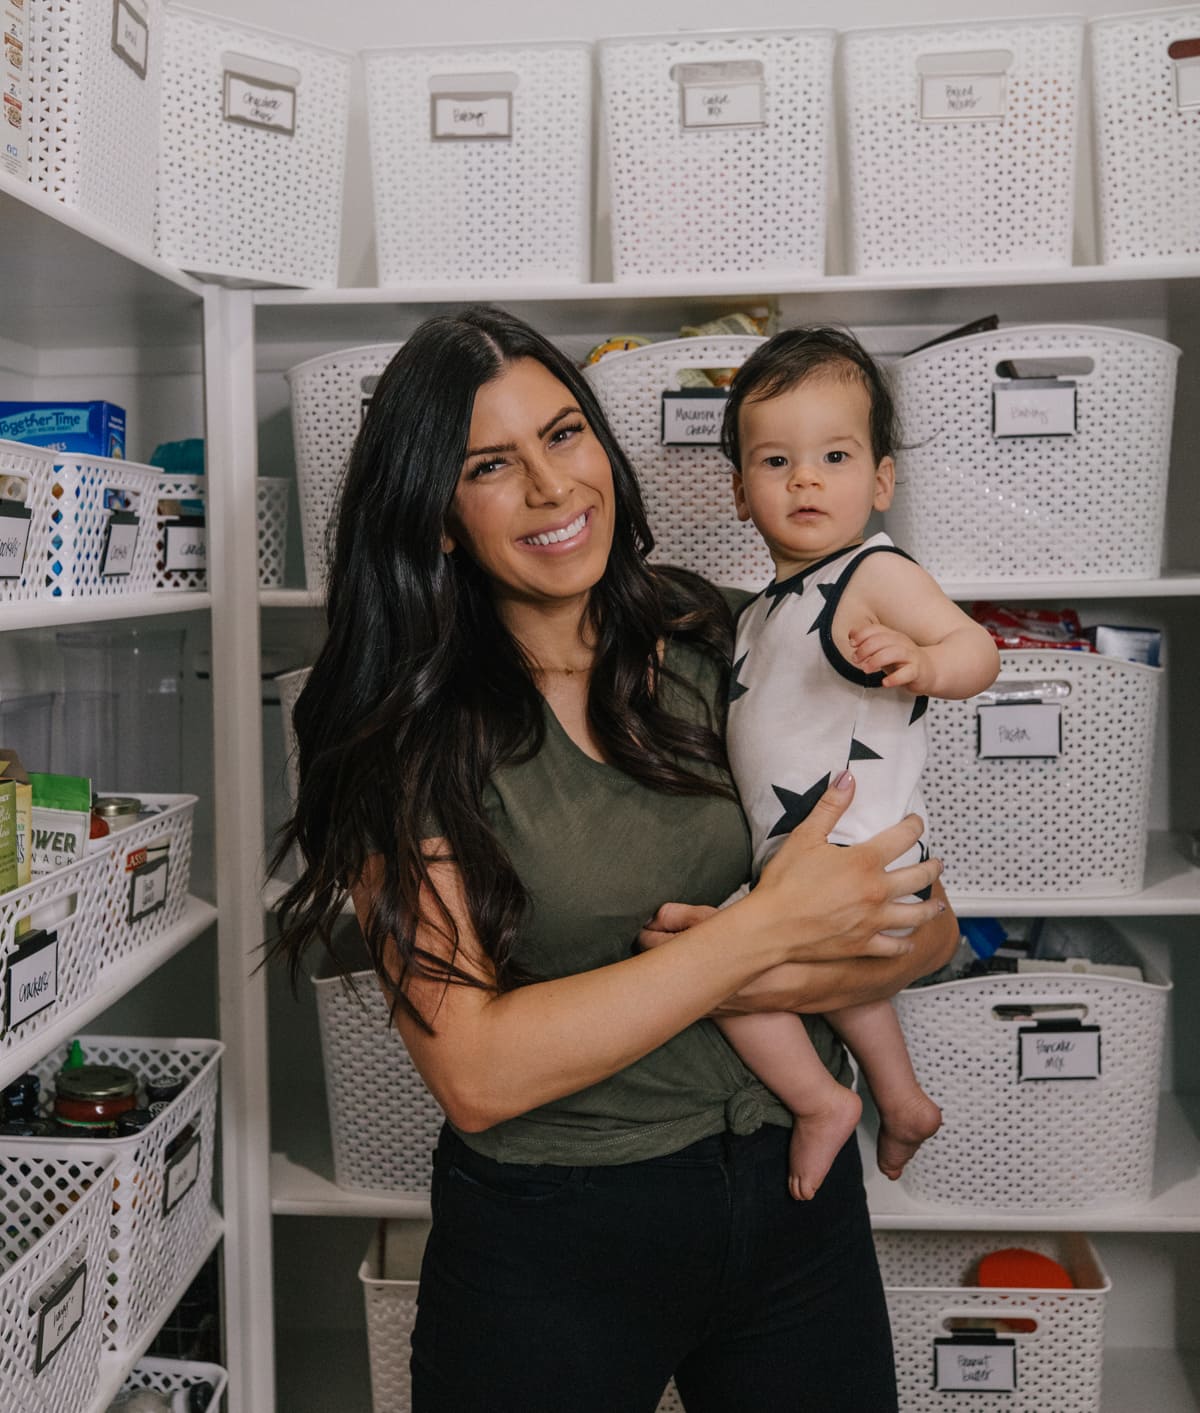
x=512 y=446
x=558 y=416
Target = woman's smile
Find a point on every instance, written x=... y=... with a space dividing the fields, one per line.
x=561 y=537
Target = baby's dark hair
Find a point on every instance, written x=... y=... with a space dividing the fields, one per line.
x=792 y=357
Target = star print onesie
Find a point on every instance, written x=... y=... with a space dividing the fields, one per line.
x=800 y=713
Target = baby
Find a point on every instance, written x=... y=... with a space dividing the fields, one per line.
x=833 y=667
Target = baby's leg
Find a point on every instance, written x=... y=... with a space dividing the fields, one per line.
x=776 y=1047
x=907 y=1115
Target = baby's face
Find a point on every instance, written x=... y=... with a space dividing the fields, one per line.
x=809 y=480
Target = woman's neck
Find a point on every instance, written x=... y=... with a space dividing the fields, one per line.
x=556 y=637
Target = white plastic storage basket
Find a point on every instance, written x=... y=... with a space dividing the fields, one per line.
x=253 y=152
x=686 y=488
x=330 y=396
x=718 y=152
x=1146 y=133
x=150 y=867
x=1071 y=825
x=971 y=504
x=290 y=685
x=97 y=83
x=1012 y=1138
x=928 y=1279
x=960 y=144
x=52 y=1264
x=271 y=499
x=272 y=505
x=161 y=1216
x=26 y=474
x=171 y=1375
x=481 y=160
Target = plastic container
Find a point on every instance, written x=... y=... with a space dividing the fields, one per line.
x=272 y=500
x=182 y=500
x=481 y=160
x=253 y=152
x=960 y=144
x=972 y=504
x=718 y=151
x=170 y=1375
x=150 y=868
x=26 y=476
x=1146 y=134
x=290 y=685
x=686 y=488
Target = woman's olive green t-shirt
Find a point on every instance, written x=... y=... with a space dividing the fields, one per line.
x=598 y=852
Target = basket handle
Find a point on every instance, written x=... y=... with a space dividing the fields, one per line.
x=1029 y=1005
x=1004 y=1315
x=1072 y=356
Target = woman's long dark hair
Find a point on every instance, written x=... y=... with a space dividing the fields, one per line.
x=420 y=692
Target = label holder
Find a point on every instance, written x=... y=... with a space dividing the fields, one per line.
x=963 y=87
x=262 y=96
x=73 y=1289
x=120 y=544
x=725 y=95
x=493 y=116
x=949 y=1350
x=130 y=37
x=34 y=960
x=1185 y=63
x=179 y=544
x=1049 y=405
x=1063 y=1029
x=16 y=520
x=181 y=1173
x=1015 y=725
x=148 y=885
x=705 y=407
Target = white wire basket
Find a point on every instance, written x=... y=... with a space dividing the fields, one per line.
x=686 y=488
x=96 y=110
x=1071 y=825
x=52 y=1264
x=171 y=1375
x=928 y=1278
x=1146 y=134
x=26 y=474
x=1017 y=1141
x=150 y=867
x=960 y=144
x=253 y=152
x=718 y=151
x=271 y=501
x=481 y=160
x=330 y=396
x=971 y=504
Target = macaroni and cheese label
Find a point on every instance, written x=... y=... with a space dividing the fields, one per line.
x=693 y=416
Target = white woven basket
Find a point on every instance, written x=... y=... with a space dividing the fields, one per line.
x=687 y=489
x=271 y=500
x=484 y=208
x=1071 y=826
x=26 y=474
x=970 y=505
x=961 y=193
x=150 y=1250
x=56 y=1206
x=927 y=1279
x=1034 y=1146
x=96 y=119
x=329 y=397
x=170 y=1375
x=128 y=928
x=238 y=201
x=724 y=199
x=185 y=488
x=1146 y=135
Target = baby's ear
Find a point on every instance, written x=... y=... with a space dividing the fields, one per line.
x=739 y=497
x=885 y=483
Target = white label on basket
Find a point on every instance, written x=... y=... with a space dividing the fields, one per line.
x=724 y=105
x=1034 y=407
x=986 y=1366
x=186 y=545
x=693 y=416
x=260 y=103
x=471 y=115
x=32 y=979
x=1058 y=1052
x=119 y=545
x=1185 y=54
x=181 y=1173
x=15 y=520
x=149 y=876
x=962 y=97
x=130 y=37
x=1019 y=729
x=61 y=1316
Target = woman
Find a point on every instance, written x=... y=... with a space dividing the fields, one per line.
x=509 y=756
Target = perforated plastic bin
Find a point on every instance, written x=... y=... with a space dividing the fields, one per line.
x=1146 y=134
x=272 y=502
x=253 y=152
x=290 y=685
x=150 y=866
x=929 y=1279
x=171 y=1375
x=1067 y=825
x=184 y=498
x=161 y=1216
x=1014 y=1136
x=52 y=1261
x=330 y=396
x=481 y=161
x=960 y=144
x=718 y=151
x=26 y=474
x=96 y=110
x=973 y=504
x=686 y=487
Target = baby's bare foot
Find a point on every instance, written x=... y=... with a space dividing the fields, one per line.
x=818 y=1136
x=903 y=1127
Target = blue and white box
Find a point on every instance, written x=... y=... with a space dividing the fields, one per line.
x=95 y=428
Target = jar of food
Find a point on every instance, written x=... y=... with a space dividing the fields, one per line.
x=117 y=811
x=133 y=1121
x=89 y=1098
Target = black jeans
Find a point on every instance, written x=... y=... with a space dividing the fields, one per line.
x=547 y=1287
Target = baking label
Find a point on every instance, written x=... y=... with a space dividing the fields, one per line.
x=185 y=544
x=148 y=878
x=471 y=115
x=1034 y=407
x=1019 y=729
x=962 y=97
x=119 y=544
x=693 y=416
x=130 y=36
x=32 y=979
x=975 y=1365
x=15 y=520
x=61 y=1316
x=183 y=1168
x=724 y=95
x=259 y=103
x=1058 y=1050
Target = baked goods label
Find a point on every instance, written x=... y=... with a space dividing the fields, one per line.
x=1035 y=407
x=722 y=95
x=958 y=88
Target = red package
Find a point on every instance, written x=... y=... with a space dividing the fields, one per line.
x=1058 y=629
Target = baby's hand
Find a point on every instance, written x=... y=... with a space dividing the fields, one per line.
x=879 y=649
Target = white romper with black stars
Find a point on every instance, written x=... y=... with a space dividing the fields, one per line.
x=800 y=713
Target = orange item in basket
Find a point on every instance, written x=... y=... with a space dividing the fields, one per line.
x=1016 y=1268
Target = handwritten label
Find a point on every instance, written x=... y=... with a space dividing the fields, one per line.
x=185 y=545
x=1019 y=729
x=148 y=881
x=1062 y=1051
x=1035 y=407
x=728 y=105
x=693 y=416
x=473 y=116
x=962 y=97
x=130 y=37
x=119 y=544
x=32 y=978
x=258 y=103
x=1187 y=81
x=15 y=521
x=968 y=1366
x=181 y=1173
x=60 y=1316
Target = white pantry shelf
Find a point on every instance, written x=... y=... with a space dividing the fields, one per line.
x=298 y=1190
x=63 y=612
